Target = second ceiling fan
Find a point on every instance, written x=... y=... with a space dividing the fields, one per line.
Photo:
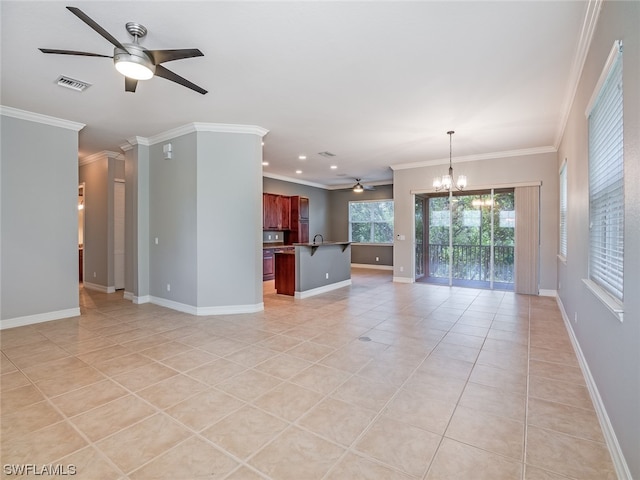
x=133 y=60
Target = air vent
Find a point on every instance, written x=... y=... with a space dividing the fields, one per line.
x=327 y=154
x=73 y=84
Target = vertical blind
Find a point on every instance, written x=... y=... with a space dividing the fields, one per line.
x=606 y=184
x=563 y=210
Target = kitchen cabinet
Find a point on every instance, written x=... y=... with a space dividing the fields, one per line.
x=276 y=212
x=268 y=264
x=299 y=229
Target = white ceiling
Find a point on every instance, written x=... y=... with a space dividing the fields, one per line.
x=377 y=83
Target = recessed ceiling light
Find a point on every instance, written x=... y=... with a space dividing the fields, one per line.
x=265 y=164
x=333 y=167
x=302 y=157
x=298 y=171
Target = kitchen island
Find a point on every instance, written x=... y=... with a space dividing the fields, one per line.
x=313 y=268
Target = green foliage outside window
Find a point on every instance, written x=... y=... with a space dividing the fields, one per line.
x=371 y=221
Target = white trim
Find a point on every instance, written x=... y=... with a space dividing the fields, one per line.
x=613 y=55
x=612 y=304
x=617 y=456
x=104 y=155
x=128 y=295
x=141 y=299
x=403 y=280
x=39 y=118
x=372 y=266
x=472 y=188
x=99 y=288
x=584 y=42
x=39 y=318
x=477 y=157
x=547 y=293
x=323 y=289
x=203 y=311
x=562 y=259
x=379 y=183
x=293 y=180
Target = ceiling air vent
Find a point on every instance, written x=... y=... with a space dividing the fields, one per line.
x=73 y=84
x=327 y=154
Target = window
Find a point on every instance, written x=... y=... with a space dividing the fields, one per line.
x=606 y=180
x=371 y=221
x=563 y=210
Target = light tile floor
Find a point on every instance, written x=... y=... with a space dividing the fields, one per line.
x=375 y=381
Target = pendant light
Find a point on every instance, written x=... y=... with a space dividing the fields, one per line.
x=446 y=181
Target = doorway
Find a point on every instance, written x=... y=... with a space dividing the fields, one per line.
x=466 y=238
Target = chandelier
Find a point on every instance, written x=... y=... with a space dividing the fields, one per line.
x=446 y=181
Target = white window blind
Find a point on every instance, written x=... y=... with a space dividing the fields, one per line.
x=563 y=209
x=606 y=182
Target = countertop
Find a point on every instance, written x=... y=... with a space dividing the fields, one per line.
x=322 y=244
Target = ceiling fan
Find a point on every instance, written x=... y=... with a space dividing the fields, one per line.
x=133 y=60
x=359 y=188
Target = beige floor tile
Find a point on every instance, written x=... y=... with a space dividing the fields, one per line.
x=463 y=339
x=566 y=357
x=55 y=369
x=494 y=401
x=245 y=473
x=516 y=362
x=88 y=464
x=205 y=408
x=251 y=356
x=144 y=376
x=288 y=401
x=171 y=391
x=33 y=417
x=365 y=393
x=281 y=343
x=455 y=460
x=104 y=354
x=216 y=371
x=310 y=351
x=407 y=448
x=86 y=398
x=18 y=398
x=561 y=392
x=498 y=378
x=15 y=379
x=72 y=381
x=567 y=419
x=189 y=360
x=223 y=346
x=346 y=360
x=556 y=371
x=355 y=467
x=249 y=385
x=446 y=366
x=245 y=431
x=296 y=454
x=337 y=421
x=42 y=446
x=438 y=385
x=283 y=366
x=112 y=417
x=567 y=455
x=534 y=473
x=194 y=459
x=488 y=432
x=421 y=409
x=320 y=378
x=125 y=363
x=134 y=446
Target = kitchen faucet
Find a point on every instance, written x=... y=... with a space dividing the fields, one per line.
x=318 y=235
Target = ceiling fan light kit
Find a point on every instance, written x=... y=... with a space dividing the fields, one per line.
x=133 y=60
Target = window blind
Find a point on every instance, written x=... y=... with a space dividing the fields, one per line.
x=563 y=210
x=606 y=184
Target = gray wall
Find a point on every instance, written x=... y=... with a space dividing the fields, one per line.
x=319 y=212
x=39 y=220
x=611 y=348
x=339 y=224
x=541 y=167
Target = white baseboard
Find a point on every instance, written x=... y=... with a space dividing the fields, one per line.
x=372 y=266
x=203 y=311
x=547 y=293
x=39 y=318
x=403 y=280
x=619 y=462
x=99 y=288
x=324 y=289
x=128 y=295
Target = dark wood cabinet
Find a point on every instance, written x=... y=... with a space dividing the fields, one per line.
x=299 y=230
x=276 y=212
x=268 y=264
x=286 y=273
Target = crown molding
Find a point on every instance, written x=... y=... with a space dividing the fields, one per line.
x=294 y=180
x=378 y=183
x=104 y=155
x=40 y=118
x=476 y=158
x=592 y=12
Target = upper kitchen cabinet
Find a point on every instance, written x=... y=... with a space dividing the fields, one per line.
x=276 y=212
x=299 y=208
x=299 y=230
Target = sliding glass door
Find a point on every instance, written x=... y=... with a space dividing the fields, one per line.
x=470 y=239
